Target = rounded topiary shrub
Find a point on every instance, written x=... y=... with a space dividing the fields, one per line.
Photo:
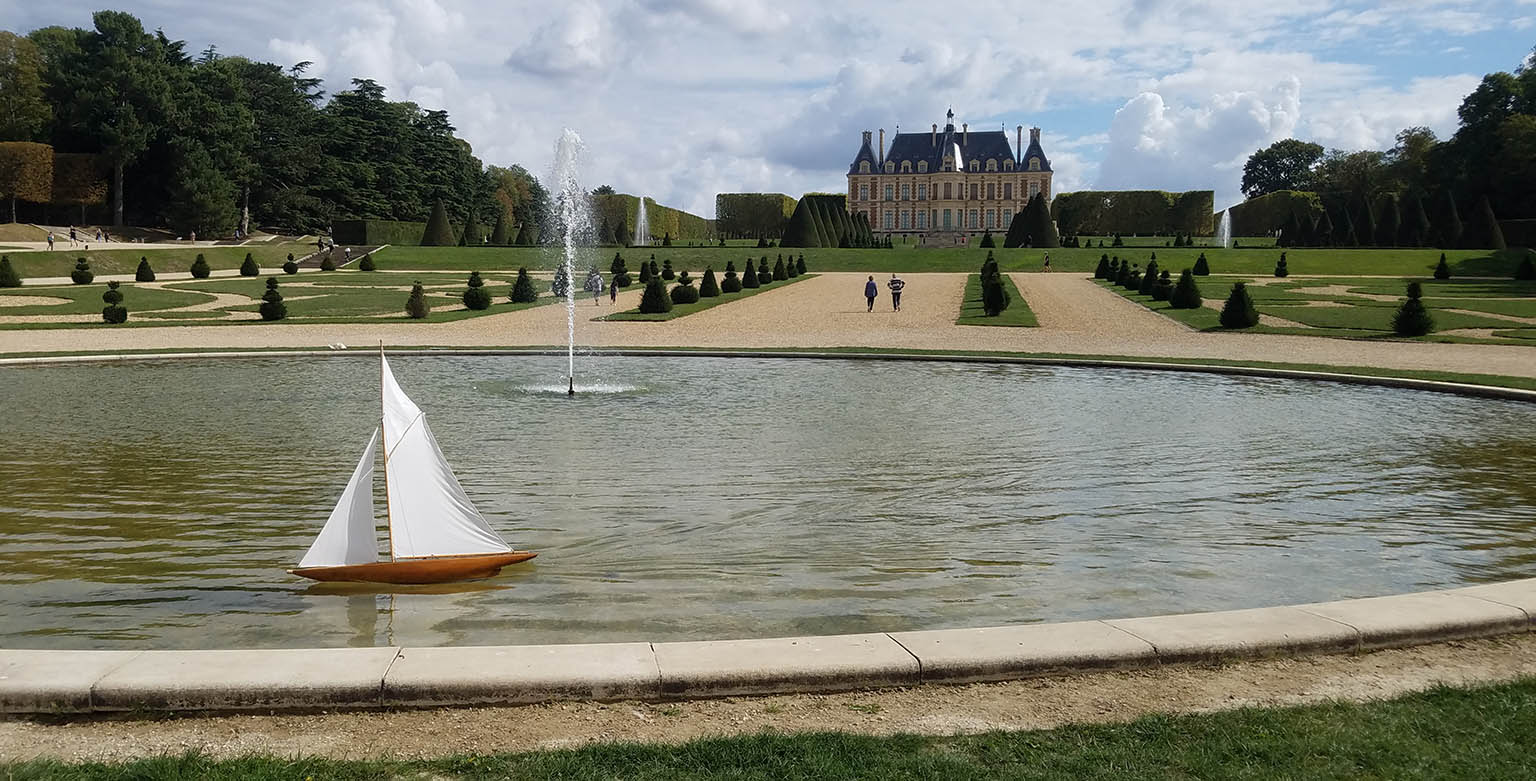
x=416 y=306
x=684 y=293
x=666 y=270
x=800 y=264
x=326 y=264
x=1526 y=270
x=476 y=296
x=143 y=273
x=621 y=280
x=367 y=264
x=749 y=277
x=654 y=300
x=8 y=275
x=731 y=283
x=248 y=267
x=81 y=273
x=1280 y=268
x=523 y=291
x=200 y=268
x=289 y=266
x=1186 y=294
x=764 y=274
x=1239 y=311
x=1164 y=287
x=1202 y=267
x=272 y=306
x=1413 y=318
x=1442 y=270
x=779 y=274
x=709 y=287
x=114 y=312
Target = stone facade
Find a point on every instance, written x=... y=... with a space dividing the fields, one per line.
x=945 y=185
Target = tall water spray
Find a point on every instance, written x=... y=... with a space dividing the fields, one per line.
x=573 y=213
x=1224 y=230
x=642 y=227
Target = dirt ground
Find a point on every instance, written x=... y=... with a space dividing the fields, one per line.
x=1037 y=703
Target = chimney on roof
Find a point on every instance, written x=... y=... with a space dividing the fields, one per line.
x=965 y=133
x=934 y=139
x=1019 y=144
x=882 y=147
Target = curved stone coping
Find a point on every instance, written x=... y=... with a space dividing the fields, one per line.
x=1461 y=388
x=33 y=681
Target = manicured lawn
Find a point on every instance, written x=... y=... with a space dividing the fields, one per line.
x=86 y=299
x=1017 y=314
x=1477 y=733
x=122 y=259
x=345 y=295
x=683 y=310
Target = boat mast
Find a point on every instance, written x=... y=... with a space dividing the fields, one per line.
x=389 y=519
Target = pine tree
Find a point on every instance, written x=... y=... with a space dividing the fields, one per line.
x=654 y=300
x=200 y=269
x=1280 y=268
x=622 y=235
x=416 y=306
x=749 y=276
x=731 y=283
x=1202 y=267
x=438 y=232
x=1124 y=275
x=1148 y=280
x=8 y=275
x=1239 y=311
x=1413 y=318
x=709 y=288
x=1186 y=294
x=1442 y=269
x=476 y=296
x=779 y=274
x=1102 y=270
x=114 y=312
x=471 y=237
x=523 y=291
x=1484 y=231
x=645 y=273
x=81 y=274
x=144 y=273
x=272 y=306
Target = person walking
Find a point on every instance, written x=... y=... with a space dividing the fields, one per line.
x=1047 y=266
x=896 y=284
x=871 y=291
x=594 y=285
x=50 y=240
x=72 y=238
x=613 y=292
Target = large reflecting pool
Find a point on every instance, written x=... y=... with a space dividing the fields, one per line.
x=156 y=505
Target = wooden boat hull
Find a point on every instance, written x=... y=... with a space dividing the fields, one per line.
x=437 y=569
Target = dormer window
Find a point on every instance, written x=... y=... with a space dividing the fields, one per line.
x=949 y=163
x=975 y=165
x=1007 y=165
x=906 y=166
x=991 y=165
x=863 y=166
x=1034 y=163
x=922 y=166
x=890 y=167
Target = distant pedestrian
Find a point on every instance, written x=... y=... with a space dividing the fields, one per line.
x=871 y=291
x=1047 y=266
x=594 y=285
x=896 y=284
x=98 y=234
x=72 y=237
x=347 y=251
x=50 y=240
x=193 y=237
x=613 y=291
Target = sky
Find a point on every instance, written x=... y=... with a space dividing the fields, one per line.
x=682 y=99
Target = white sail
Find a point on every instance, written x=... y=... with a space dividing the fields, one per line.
x=429 y=514
x=349 y=536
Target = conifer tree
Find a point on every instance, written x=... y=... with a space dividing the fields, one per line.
x=1365 y=227
x=684 y=292
x=1124 y=274
x=1442 y=269
x=200 y=269
x=801 y=230
x=1346 y=235
x=666 y=239
x=272 y=306
x=365 y=263
x=144 y=273
x=1417 y=231
x=1448 y=225
x=987 y=241
x=416 y=306
x=114 y=312
x=438 y=232
x=779 y=274
x=1114 y=270
x=800 y=264
x=1186 y=294
x=524 y=235
x=1324 y=231
x=1239 y=311
x=645 y=273
x=749 y=276
x=8 y=275
x=1413 y=318
x=709 y=288
x=82 y=274
x=655 y=272
x=1280 y=268
x=617 y=266
x=1389 y=221
x=655 y=299
x=248 y=267
x=470 y=237
x=560 y=286
x=1484 y=231
x=1102 y=270
x=1202 y=268
x=1018 y=231
x=523 y=291
x=499 y=235
x=790 y=269
x=476 y=296
x=1148 y=280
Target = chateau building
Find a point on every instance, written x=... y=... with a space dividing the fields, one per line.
x=950 y=183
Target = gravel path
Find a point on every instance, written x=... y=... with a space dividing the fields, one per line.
x=1077 y=317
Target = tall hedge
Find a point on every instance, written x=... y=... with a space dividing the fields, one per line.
x=752 y=215
x=1448 y=225
x=1483 y=232
x=439 y=232
x=1134 y=211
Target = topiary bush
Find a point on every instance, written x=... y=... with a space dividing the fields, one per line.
x=1186 y=294
x=800 y=264
x=367 y=264
x=709 y=288
x=1280 y=269
x=1101 y=271
x=143 y=273
x=8 y=275
x=790 y=269
x=1239 y=311
x=779 y=274
x=1134 y=283
x=749 y=277
x=1442 y=271
x=645 y=273
x=1117 y=241
x=1148 y=280
x=416 y=306
x=1164 y=287
x=666 y=239
x=1527 y=268
x=731 y=283
x=655 y=272
x=654 y=300
x=666 y=270
x=561 y=286
x=684 y=292
x=522 y=289
x=289 y=266
x=114 y=312
x=987 y=242
x=476 y=296
x=200 y=268
x=81 y=274
x=1202 y=268
x=248 y=267
x=326 y=264
x=272 y=306
x=764 y=274
x=1413 y=318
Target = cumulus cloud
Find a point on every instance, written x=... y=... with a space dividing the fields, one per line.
x=579 y=42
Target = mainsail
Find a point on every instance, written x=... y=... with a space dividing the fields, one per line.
x=429 y=513
x=349 y=536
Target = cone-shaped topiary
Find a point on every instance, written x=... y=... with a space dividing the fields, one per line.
x=1280 y=268
x=561 y=287
x=114 y=312
x=764 y=274
x=1186 y=294
x=1239 y=311
x=666 y=270
x=709 y=288
x=476 y=296
x=1483 y=230
x=987 y=242
x=779 y=274
x=800 y=263
x=1114 y=270
x=416 y=307
x=367 y=264
x=1164 y=287
x=1412 y=318
x=523 y=291
x=1202 y=268
x=499 y=235
x=439 y=232
x=143 y=273
x=790 y=268
x=1148 y=280
x=248 y=267
x=666 y=239
x=749 y=277
x=1102 y=270
x=272 y=306
x=617 y=266
x=8 y=275
x=1442 y=270
x=524 y=235
x=654 y=300
x=1125 y=274
x=731 y=283
x=326 y=264
x=200 y=268
x=82 y=274
x=1526 y=270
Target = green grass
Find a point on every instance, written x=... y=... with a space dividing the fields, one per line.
x=121 y=260
x=349 y=295
x=1475 y=733
x=1018 y=313
x=683 y=310
x=86 y=299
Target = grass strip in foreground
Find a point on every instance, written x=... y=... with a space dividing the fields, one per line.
x=1445 y=732
x=683 y=310
x=1017 y=315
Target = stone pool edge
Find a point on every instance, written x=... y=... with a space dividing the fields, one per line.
x=45 y=681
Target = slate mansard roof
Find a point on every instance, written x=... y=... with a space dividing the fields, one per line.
x=980 y=145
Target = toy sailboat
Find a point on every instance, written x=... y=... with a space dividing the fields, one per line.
x=435 y=533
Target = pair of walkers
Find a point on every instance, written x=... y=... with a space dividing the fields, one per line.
x=872 y=291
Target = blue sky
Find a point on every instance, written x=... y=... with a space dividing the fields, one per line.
x=681 y=99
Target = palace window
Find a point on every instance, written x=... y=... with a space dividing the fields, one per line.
x=906 y=220
x=906 y=166
x=922 y=166
x=889 y=218
x=906 y=192
x=975 y=219
x=946 y=220
x=863 y=192
x=890 y=191
x=1007 y=191
x=991 y=219
x=975 y=165
x=1007 y=165
x=975 y=192
x=949 y=163
x=1034 y=188
x=991 y=190
x=922 y=220
x=922 y=192
x=863 y=166
x=1034 y=163
x=890 y=167
x=947 y=194
x=991 y=165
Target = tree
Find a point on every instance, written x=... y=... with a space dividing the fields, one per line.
x=800 y=263
x=1484 y=231
x=779 y=274
x=1526 y=270
x=114 y=312
x=1283 y=165
x=470 y=237
x=200 y=269
x=476 y=296
x=994 y=294
x=561 y=285
x=764 y=274
x=8 y=275
x=1413 y=318
x=81 y=274
x=603 y=189
x=1416 y=229
x=525 y=236
x=523 y=291
x=666 y=270
x=1280 y=268
x=439 y=232
x=1365 y=226
x=290 y=267
x=1239 y=311
x=499 y=235
x=144 y=273
x=987 y=241
x=655 y=299
x=248 y=267
x=1442 y=269
x=731 y=283
x=684 y=292
x=1101 y=271
x=1202 y=267
x=801 y=230
x=645 y=273
x=26 y=169
x=23 y=111
x=1186 y=294
x=749 y=276
x=1148 y=280
x=1037 y=218
x=1324 y=231
x=1448 y=224
x=1018 y=231
x=1389 y=221
x=1164 y=287
x=272 y=306
x=416 y=306
x=201 y=199
x=709 y=288
x=366 y=263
